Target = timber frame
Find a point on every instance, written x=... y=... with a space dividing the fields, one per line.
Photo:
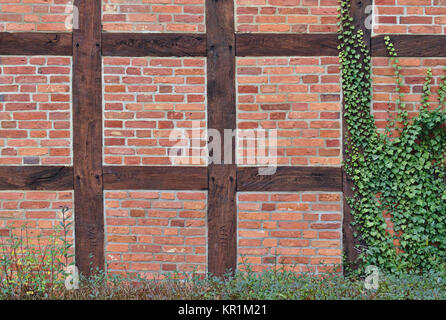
x=88 y=177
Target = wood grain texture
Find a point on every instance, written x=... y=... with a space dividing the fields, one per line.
x=411 y=45
x=359 y=14
x=36 y=43
x=155 y=178
x=221 y=67
x=350 y=242
x=222 y=210
x=87 y=142
x=257 y=44
x=153 y=44
x=290 y=179
x=222 y=219
x=36 y=178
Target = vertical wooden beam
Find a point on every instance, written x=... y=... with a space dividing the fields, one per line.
x=362 y=15
x=87 y=137
x=358 y=12
x=222 y=210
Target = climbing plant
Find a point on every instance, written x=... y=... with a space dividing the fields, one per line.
x=398 y=172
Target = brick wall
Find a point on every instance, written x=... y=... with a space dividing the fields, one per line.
x=286 y=16
x=298 y=96
x=153 y=16
x=413 y=75
x=154 y=232
x=36 y=15
x=35 y=110
x=145 y=99
x=410 y=17
x=38 y=211
x=297 y=231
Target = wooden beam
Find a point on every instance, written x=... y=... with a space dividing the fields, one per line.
x=290 y=179
x=87 y=143
x=361 y=15
x=153 y=44
x=222 y=207
x=155 y=178
x=36 y=178
x=36 y=43
x=358 y=12
x=255 y=44
x=222 y=219
x=411 y=45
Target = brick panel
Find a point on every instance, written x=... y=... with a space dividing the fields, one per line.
x=413 y=75
x=298 y=96
x=148 y=99
x=35 y=110
x=39 y=211
x=36 y=15
x=286 y=16
x=154 y=232
x=410 y=17
x=153 y=15
x=297 y=231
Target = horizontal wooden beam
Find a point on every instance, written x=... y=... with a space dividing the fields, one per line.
x=172 y=178
x=36 y=178
x=35 y=43
x=153 y=44
x=262 y=44
x=411 y=45
x=256 y=44
x=155 y=178
x=290 y=179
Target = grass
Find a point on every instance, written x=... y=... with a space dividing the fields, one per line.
x=244 y=285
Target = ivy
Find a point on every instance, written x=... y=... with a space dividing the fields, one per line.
x=397 y=172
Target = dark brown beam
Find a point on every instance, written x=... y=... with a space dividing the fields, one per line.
x=259 y=44
x=24 y=43
x=411 y=45
x=222 y=207
x=155 y=178
x=153 y=44
x=290 y=179
x=361 y=17
x=36 y=178
x=358 y=12
x=222 y=219
x=87 y=142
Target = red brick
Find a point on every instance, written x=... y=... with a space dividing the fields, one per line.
x=164 y=105
x=409 y=17
x=38 y=211
x=286 y=235
x=168 y=236
x=272 y=77
x=41 y=128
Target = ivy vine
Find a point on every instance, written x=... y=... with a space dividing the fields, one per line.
x=397 y=172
